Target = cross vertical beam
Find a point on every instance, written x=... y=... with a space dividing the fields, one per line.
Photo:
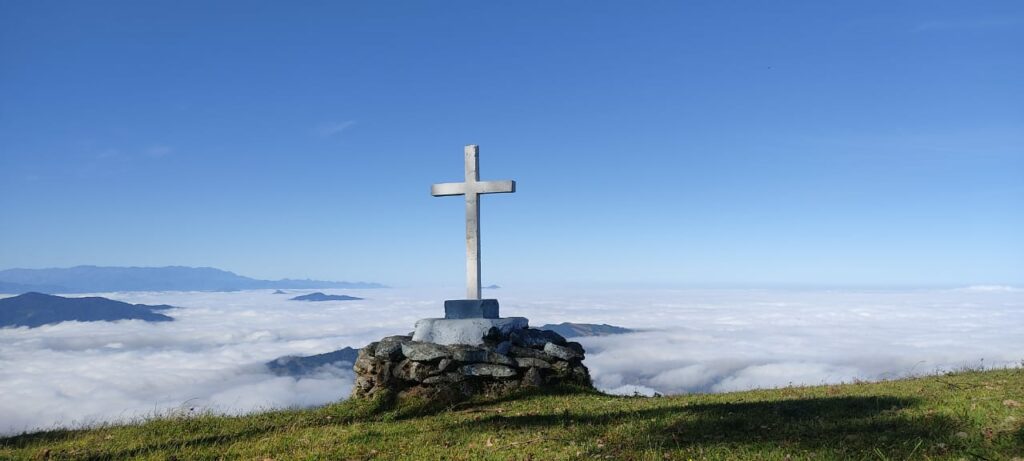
x=472 y=188
x=473 y=290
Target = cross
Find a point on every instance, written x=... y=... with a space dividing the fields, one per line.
x=472 y=189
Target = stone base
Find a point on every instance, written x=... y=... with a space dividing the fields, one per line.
x=464 y=331
x=471 y=309
x=504 y=362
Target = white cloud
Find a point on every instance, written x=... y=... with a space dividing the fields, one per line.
x=333 y=128
x=693 y=341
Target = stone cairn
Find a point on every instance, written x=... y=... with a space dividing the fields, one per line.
x=523 y=358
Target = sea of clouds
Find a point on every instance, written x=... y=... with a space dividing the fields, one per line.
x=690 y=340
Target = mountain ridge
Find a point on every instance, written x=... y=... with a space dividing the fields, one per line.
x=320 y=297
x=96 y=279
x=37 y=309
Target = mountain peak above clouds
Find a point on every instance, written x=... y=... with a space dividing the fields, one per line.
x=38 y=309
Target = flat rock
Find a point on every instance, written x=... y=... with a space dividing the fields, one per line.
x=447 y=364
x=533 y=378
x=562 y=352
x=517 y=352
x=367 y=364
x=487 y=369
x=532 y=337
x=445 y=378
x=500 y=359
x=424 y=352
x=530 y=362
x=468 y=354
x=369 y=349
x=390 y=349
x=413 y=371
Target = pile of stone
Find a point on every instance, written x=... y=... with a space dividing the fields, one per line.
x=524 y=357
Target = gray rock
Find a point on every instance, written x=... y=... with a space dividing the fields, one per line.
x=487 y=369
x=447 y=364
x=389 y=349
x=369 y=349
x=413 y=371
x=561 y=368
x=580 y=375
x=576 y=347
x=533 y=378
x=371 y=373
x=503 y=347
x=367 y=364
x=398 y=338
x=562 y=352
x=532 y=337
x=424 y=352
x=363 y=384
x=493 y=335
x=446 y=378
x=516 y=351
x=435 y=379
x=468 y=354
x=530 y=362
x=500 y=359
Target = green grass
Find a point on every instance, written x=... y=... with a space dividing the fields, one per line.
x=968 y=415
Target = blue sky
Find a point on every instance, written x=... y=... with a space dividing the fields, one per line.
x=679 y=143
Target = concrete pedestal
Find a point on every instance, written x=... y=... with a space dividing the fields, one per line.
x=471 y=309
x=464 y=331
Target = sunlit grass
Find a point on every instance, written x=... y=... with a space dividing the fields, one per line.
x=966 y=415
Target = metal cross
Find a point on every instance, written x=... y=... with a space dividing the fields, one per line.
x=472 y=189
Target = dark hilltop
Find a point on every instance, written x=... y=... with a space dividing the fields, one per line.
x=37 y=309
x=318 y=296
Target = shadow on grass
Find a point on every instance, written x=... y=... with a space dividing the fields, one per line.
x=173 y=433
x=384 y=407
x=853 y=425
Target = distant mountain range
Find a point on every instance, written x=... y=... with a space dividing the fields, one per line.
x=96 y=279
x=298 y=366
x=294 y=365
x=575 y=330
x=318 y=296
x=37 y=309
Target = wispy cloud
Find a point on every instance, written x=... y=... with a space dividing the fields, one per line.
x=329 y=129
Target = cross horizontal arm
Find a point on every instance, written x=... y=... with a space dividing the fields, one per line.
x=448 y=188
x=494 y=187
x=482 y=187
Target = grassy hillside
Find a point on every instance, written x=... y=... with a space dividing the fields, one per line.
x=970 y=415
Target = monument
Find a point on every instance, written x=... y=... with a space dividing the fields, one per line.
x=472 y=350
x=467 y=321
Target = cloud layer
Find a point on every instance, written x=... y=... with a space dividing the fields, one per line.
x=212 y=357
